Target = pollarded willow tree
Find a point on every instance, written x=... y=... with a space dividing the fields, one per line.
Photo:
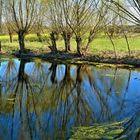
x=52 y=23
x=79 y=18
x=77 y=14
x=84 y=18
x=63 y=28
x=57 y=24
x=23 y=15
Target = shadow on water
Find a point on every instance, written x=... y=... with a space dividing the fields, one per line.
x=42 y=100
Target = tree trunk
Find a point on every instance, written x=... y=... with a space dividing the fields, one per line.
x=53 y=69
x=21 y=70
x=79 y=42
x=68 y=40
x=10 y=37
x=21 y=38
x=66 y=44
x=67 y=76
x=67 y=37
x=53 y=41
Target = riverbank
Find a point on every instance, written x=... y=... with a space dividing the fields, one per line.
x=100 y=50
x=105 y=57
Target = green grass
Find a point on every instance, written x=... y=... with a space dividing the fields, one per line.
x=33 y=46
x=104 y=44
x=99 y=44
x=29 y=37
x=120 y=44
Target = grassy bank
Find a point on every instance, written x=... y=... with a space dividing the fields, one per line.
x=100 y=51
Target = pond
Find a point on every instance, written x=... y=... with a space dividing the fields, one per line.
x=41 y=100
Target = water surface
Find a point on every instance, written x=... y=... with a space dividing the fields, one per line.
x=43 y=101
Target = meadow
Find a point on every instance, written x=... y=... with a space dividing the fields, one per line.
x=100 y=44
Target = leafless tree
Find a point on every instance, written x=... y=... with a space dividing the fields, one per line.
x=40 y=20
x=65 y=30
x=78 y=18
x=52 y=23
x=83 y=17
x=57 y=23
x=24 y=15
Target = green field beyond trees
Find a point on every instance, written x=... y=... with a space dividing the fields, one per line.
x=101 y=43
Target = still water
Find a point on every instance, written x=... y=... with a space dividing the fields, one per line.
x=40 y=100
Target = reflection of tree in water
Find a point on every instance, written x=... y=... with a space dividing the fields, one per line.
x=69 y=94
x=107 y=87
x=19 y=99
x=18 y=88
x=47 y=106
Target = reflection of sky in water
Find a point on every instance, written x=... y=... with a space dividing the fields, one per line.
x=58 y=100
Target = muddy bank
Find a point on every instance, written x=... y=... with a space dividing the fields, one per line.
x=102 y=57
